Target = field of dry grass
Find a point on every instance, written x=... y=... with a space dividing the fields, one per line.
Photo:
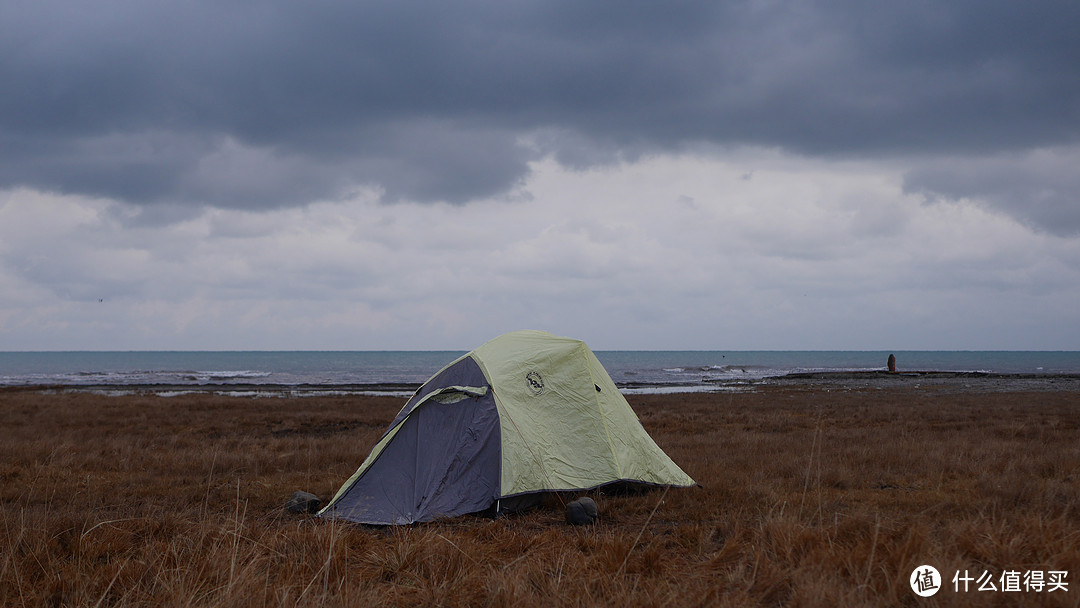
x=810 y=497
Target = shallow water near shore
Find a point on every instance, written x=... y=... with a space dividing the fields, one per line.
x=398 y=372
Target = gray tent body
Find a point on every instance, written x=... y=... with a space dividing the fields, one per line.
x=444 y=460
x=525 y=413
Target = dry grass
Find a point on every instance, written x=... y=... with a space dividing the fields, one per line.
x=810 y=498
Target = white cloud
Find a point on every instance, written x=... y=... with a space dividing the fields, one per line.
x=743 y=248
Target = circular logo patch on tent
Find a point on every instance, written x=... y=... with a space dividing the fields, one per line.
x=535 y=382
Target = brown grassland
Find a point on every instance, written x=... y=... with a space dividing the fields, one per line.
x=811 y=496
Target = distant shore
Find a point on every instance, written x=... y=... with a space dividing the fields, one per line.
x=232 y=388
x=960 y=381
x=944 y=380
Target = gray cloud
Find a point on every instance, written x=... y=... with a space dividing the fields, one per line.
x=806 y=254
x=1040 y=188
x=273 y=104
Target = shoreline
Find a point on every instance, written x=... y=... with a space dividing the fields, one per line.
x=975 y=381
x=952 y=381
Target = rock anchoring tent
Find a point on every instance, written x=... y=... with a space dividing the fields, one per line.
x=524 y=414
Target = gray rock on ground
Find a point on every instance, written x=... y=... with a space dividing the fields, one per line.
x=303 y=502
x=581 y=512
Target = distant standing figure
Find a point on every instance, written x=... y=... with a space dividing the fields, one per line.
x=892 y=363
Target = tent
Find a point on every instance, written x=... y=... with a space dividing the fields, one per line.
x=524 y=414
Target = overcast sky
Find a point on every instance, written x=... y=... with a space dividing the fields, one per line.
x=642 y=175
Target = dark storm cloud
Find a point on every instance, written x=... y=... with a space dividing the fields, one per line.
x=249 y=104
